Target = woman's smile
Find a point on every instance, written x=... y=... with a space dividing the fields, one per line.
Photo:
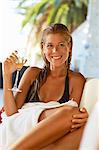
x=56 y=57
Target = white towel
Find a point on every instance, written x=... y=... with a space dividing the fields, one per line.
x=15 y=126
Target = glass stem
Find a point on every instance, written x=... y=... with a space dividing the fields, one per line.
x=16 y=80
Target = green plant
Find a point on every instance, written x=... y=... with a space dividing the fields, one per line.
x=70 y=12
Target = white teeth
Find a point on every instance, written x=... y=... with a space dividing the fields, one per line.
x=56 y=57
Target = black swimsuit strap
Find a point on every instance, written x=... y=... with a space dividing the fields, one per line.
x=65 y=97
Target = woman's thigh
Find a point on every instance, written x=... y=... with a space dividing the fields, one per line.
x=70 y=141
x=48 y=112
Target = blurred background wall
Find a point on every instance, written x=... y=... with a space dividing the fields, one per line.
x=86 y=45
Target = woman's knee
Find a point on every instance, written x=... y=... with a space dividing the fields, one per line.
x=69 y=111
x=63 y=110
x=65 y=115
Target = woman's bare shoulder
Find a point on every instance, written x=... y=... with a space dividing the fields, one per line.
x=77 y=82
x=32 y=72
x=77 y=76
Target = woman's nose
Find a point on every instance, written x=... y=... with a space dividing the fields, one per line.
x=54 y=49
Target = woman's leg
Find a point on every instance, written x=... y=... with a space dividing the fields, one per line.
x=70 y=141
x=48 y=130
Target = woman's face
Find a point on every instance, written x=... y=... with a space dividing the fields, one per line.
x=55 y=49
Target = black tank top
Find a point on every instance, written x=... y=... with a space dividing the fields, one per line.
x=64 y=98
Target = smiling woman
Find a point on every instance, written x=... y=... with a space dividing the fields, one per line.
x=49 y=98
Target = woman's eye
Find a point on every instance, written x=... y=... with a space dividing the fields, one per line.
x=49 y=46
x=61 y=45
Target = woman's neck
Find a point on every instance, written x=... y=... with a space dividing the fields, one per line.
x=58 y=71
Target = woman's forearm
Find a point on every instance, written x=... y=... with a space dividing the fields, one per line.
x=9 y=102
x=47 y=131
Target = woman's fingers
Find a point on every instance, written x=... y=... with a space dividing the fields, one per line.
x=10 y=63
x=82 y=109
x=8 y=60
x=15 y=54
x=75 y=126
x=79 y=121
x=14 y=57
x=81 y=115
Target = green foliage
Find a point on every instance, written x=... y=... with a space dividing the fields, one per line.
x=54 y=11
x=70 y=12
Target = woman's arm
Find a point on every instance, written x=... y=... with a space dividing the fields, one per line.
x=13 y=102
x=27 y=79
x=9 y=67
x=76 y=86
x=77 y=83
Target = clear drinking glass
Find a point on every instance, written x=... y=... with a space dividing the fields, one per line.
x=20 y=62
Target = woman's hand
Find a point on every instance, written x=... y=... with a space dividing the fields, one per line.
x=79 y=119
x=10 y=63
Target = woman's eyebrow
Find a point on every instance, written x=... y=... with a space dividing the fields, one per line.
x=58 y=42
x=62 y=42
x=49 y=43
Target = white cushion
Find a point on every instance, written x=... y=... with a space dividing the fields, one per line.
x=90 y=94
